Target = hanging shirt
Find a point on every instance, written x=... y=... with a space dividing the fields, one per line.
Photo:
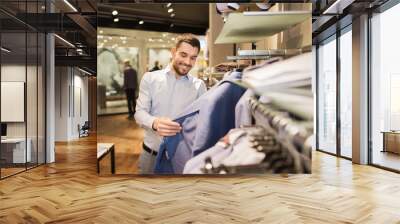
x=203 y=123
x=161 y=94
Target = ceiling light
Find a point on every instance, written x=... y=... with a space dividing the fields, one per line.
x=5 y=50
x=173 y=38
x=123 y=38
x=86 y=72
x=172 y=25
x=173 y=15
x=170 y=10
x=100 y=36
x=79 y=50
x=110 y=38
x=124 y=41
x=164 y=34
x=101 y=31
x=141 y=22
x=115 y=12
x=150 y=39
x=70 y=5
x=64 y=40
x=337 y=7
x=116 y=20
x=105 y=41
x=43 y=7
x=169 y=5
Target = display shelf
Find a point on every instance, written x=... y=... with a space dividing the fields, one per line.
x=248 y=57
x=254 y=26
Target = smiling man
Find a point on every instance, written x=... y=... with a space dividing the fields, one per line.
x=163 y=95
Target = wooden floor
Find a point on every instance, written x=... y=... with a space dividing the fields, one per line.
x=127 y=137
x=70 y=191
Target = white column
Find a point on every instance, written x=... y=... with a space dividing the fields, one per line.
x=360 y=90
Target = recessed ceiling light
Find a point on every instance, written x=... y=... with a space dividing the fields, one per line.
x=173 y=38
x=141 y=22
x=170 y=10
x=43 y=7
x=150 y=39
x=70 y=5
x=172 y=25
x=169 y=5
x=105 y=41
x=164 y=34
x=101 y=31
x=64 y=40
x=115 y=12
x=110 y=38
x=79 y=50
x=173 y=15
x=5 y=50
x=124 y=41
x=116 y=20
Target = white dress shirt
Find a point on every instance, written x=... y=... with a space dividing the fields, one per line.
x=161 y=94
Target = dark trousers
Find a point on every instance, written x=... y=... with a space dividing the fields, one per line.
x=130 y=96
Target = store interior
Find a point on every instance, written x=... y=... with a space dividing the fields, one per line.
x=152 y=38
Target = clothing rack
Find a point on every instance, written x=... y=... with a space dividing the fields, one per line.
x=286 y=128
x=286 y=144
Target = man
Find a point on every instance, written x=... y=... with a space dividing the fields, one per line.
x=130 y=85
x=156 y=67
x=163 y=95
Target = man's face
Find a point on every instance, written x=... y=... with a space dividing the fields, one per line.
x=184 y=58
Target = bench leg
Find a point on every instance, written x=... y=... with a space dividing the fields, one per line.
x=112 y=160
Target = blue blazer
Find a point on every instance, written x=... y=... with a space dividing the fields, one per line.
x=203 y=123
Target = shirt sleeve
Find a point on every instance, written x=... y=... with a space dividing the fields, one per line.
x=202 y=89
x=143 y=104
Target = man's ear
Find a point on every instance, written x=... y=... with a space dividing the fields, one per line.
x=173 y=51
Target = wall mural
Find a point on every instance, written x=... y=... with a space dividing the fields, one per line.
x=111 y=95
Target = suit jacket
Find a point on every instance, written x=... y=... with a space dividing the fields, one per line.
x=203 y=123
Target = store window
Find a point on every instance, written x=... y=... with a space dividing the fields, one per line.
x=346 y=92
x=385 y=89
x=327 y=96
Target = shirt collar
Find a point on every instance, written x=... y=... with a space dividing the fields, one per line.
x=169 y=72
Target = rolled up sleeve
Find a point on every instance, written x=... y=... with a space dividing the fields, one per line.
x=143 y=104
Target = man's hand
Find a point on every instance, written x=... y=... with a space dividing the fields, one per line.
x=166 y=127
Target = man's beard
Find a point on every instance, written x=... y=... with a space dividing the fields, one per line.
x=176 y=68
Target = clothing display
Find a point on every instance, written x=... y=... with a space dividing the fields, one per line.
x=229 y=66
x=233 y=149
x=203 y=123
x=294 y=72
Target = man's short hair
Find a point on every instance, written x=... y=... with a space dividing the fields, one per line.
x=188 y=38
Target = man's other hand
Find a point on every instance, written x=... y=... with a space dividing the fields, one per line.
x=166 y=127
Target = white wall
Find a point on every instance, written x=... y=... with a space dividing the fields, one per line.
x=71 y=87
